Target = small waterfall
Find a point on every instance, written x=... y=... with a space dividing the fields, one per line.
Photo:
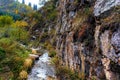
x=42 y=69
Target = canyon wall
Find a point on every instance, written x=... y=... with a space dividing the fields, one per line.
x=88 y=37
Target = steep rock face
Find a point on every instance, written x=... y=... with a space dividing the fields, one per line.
x=87 y=43
x=104 y=5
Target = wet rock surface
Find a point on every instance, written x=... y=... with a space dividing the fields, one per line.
x=42 y=69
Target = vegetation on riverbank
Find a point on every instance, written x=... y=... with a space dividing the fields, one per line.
x=12 y=53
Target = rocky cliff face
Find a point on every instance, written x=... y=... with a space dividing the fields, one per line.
x=88 y=37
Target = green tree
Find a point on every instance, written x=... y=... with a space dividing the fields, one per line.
x=5 y=20
x=18 y=31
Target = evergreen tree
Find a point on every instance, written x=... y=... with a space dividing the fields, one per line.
x=34 y=7
x=23 y=1
x=29 y=4
x=42 y=2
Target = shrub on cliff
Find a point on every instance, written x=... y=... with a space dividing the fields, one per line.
x=2 y=53
x=52 y=53
x=68 y=74
x=55 y=61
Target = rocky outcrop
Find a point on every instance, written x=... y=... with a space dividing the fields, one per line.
x=89 y=43
x=104 y=5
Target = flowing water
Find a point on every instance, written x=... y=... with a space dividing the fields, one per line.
x=42 y=69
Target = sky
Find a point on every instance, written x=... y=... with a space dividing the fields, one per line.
x=32 y=2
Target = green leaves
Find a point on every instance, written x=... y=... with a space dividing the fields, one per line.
x=5 y=20
x=13 y=30
x=2 y=53
x=52 y=53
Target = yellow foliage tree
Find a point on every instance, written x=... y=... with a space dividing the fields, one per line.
x=20 y=24
x=19 y=30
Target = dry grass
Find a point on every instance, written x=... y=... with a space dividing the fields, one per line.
x=32 y=58
x=23 y=74
x=28 y=63
x=34 y=51
x=50 y=78
x=81 y=17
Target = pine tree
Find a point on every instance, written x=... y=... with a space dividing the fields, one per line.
x=23 y=1
x=29 y=4
x=34 y=7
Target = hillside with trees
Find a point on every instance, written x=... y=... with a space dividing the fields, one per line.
x=14 y=8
